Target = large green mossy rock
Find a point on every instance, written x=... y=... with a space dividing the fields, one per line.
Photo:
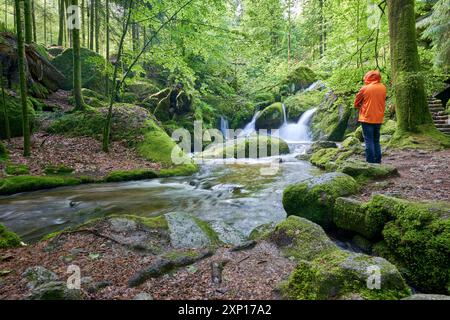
x=314 y=198
x=300 y=103
x=143 y=89
x=417 y=237
x=366 y=171
x=319 y=145
x=300 y=78
x=93 y=72
x=8 y=239
x=331 y=119
x=344 y=275
x=14 y=111
x=271 y=117
x=3 y=152
x=324 y=271
x=250 y=147
x=389 y=128
x=353 y=215
x=301 y=239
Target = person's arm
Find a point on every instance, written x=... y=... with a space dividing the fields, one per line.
x=359 y=98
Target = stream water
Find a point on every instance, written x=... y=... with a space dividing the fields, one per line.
x=234 y=192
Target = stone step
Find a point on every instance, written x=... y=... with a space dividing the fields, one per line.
x=441 y=122
x=435 y=104
x=437 y=109
x=445 y=117
x=443 y=126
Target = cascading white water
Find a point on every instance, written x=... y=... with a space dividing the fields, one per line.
x=224 y=126
x=284 y=114
x=298 y=132
x=250 y=128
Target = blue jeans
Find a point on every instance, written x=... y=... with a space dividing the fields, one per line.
x=372 y=138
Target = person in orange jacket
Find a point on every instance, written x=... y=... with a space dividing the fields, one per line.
x=371 y=103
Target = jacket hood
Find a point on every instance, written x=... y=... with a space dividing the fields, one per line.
x=372 y=77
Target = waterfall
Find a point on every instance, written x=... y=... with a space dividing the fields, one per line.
x=284 y=114
x=298 y=132
x=224 y=126
x=251 y=126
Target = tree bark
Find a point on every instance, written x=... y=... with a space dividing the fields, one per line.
x=28 y=21
x=107 y=46
x=22 y=81
x=91 y=28
x=33 y=19
x=79 y=103
x=61 y=22
x=97 y=26
x=410 y=97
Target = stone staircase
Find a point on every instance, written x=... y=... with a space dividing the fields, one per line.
x=440 y=117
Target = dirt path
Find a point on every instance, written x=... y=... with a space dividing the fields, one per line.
x=423 y=176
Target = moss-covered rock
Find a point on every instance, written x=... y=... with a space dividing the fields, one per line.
x=301 y=239
x=339 y=274
x=58 y=170
x=314 y=199
x=94 y=99
x=3 y=152
x=300 y=103
x=366 y=171
x=319 y=145
x=94 y=69
x=250 y=147
x=351 y=142
x=356 y=216
x=8 y=239
x=271 y=117
x=130 y=175
x=300 y=78
x=261 y=231
x=14 y=111
x=143 y=89
x=389 y=128
x=325 y=158
x=417 y=237
x=12 y=185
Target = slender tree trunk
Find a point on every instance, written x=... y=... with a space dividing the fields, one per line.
x=79 y=103
x=411 y=101
x=6 y=14
x=289 y=33
x=83 y=21
x=23 y=81
x=107 y=46
x=28 y=21
x=97 y=26
x=33 y=19
x=5 y=110
x=62 y=16
x=45 y=22
x=91 y=31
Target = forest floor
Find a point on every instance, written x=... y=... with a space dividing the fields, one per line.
x=83 y=154
x=423 y=175
x=106 y=267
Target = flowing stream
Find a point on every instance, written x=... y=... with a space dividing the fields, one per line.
x=234 y=192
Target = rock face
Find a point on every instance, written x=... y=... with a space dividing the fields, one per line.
x=300 y=78
x=227 y=234
x=314 y=199
x=44 y=285
x=319 y=145
x=297 y=104
x=271 y=117
x=326 y=272
x=187 y=232
x=251 y=147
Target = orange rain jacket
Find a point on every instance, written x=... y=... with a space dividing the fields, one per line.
x=371 y=99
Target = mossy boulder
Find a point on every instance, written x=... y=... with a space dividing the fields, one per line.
x=351 y=142
x=300 y=78
x=314 y=198
x=417 y=237
x=389 y=128
x=353 y=215
x=189 y=232
x=271 y=117
x=8 y=239
x=250 y=147
x=17 y=170
x=17 y=184
x=366 y=171
x=342 y=275
x=319 y=145
x=142 y=89
x=3 y=152
x=94 y=99
x=94 y=69
x=301 y=239
x=14 y=111
x=298 y=104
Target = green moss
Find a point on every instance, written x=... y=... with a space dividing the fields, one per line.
x=261 y=231
x=130 y=175
x=324 y=158
x=356 y=216
x=301 y=239
x=351 y=142
x=418 y=236
x=210 y=233
x=129 y=97
x=17 y=170
x=8 y=239
x=79 y=124
x=14 y=110
x=271 y=117
x=251 y=147
x=363 y=171
x=363 y=244
x=389 y=127
x=158 y=222
x=339 y=274
x=179 y=171
x=12 y=185
x=314 y=199
x=3 y=152
x=298 y=104
x=300 y=78
x=58 y=170
x=93 y=72
x=426 y=137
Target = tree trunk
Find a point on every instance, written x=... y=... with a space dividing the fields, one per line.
x=33 y=16
x=61 y=22
x=97 y=26
x=410 y=97
x=79 y=103
x=23 y=81
x=28 y=21
x=83 y=21
x=45 y=22
x=107 y=46
x=5 y=110
x=91 y=28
